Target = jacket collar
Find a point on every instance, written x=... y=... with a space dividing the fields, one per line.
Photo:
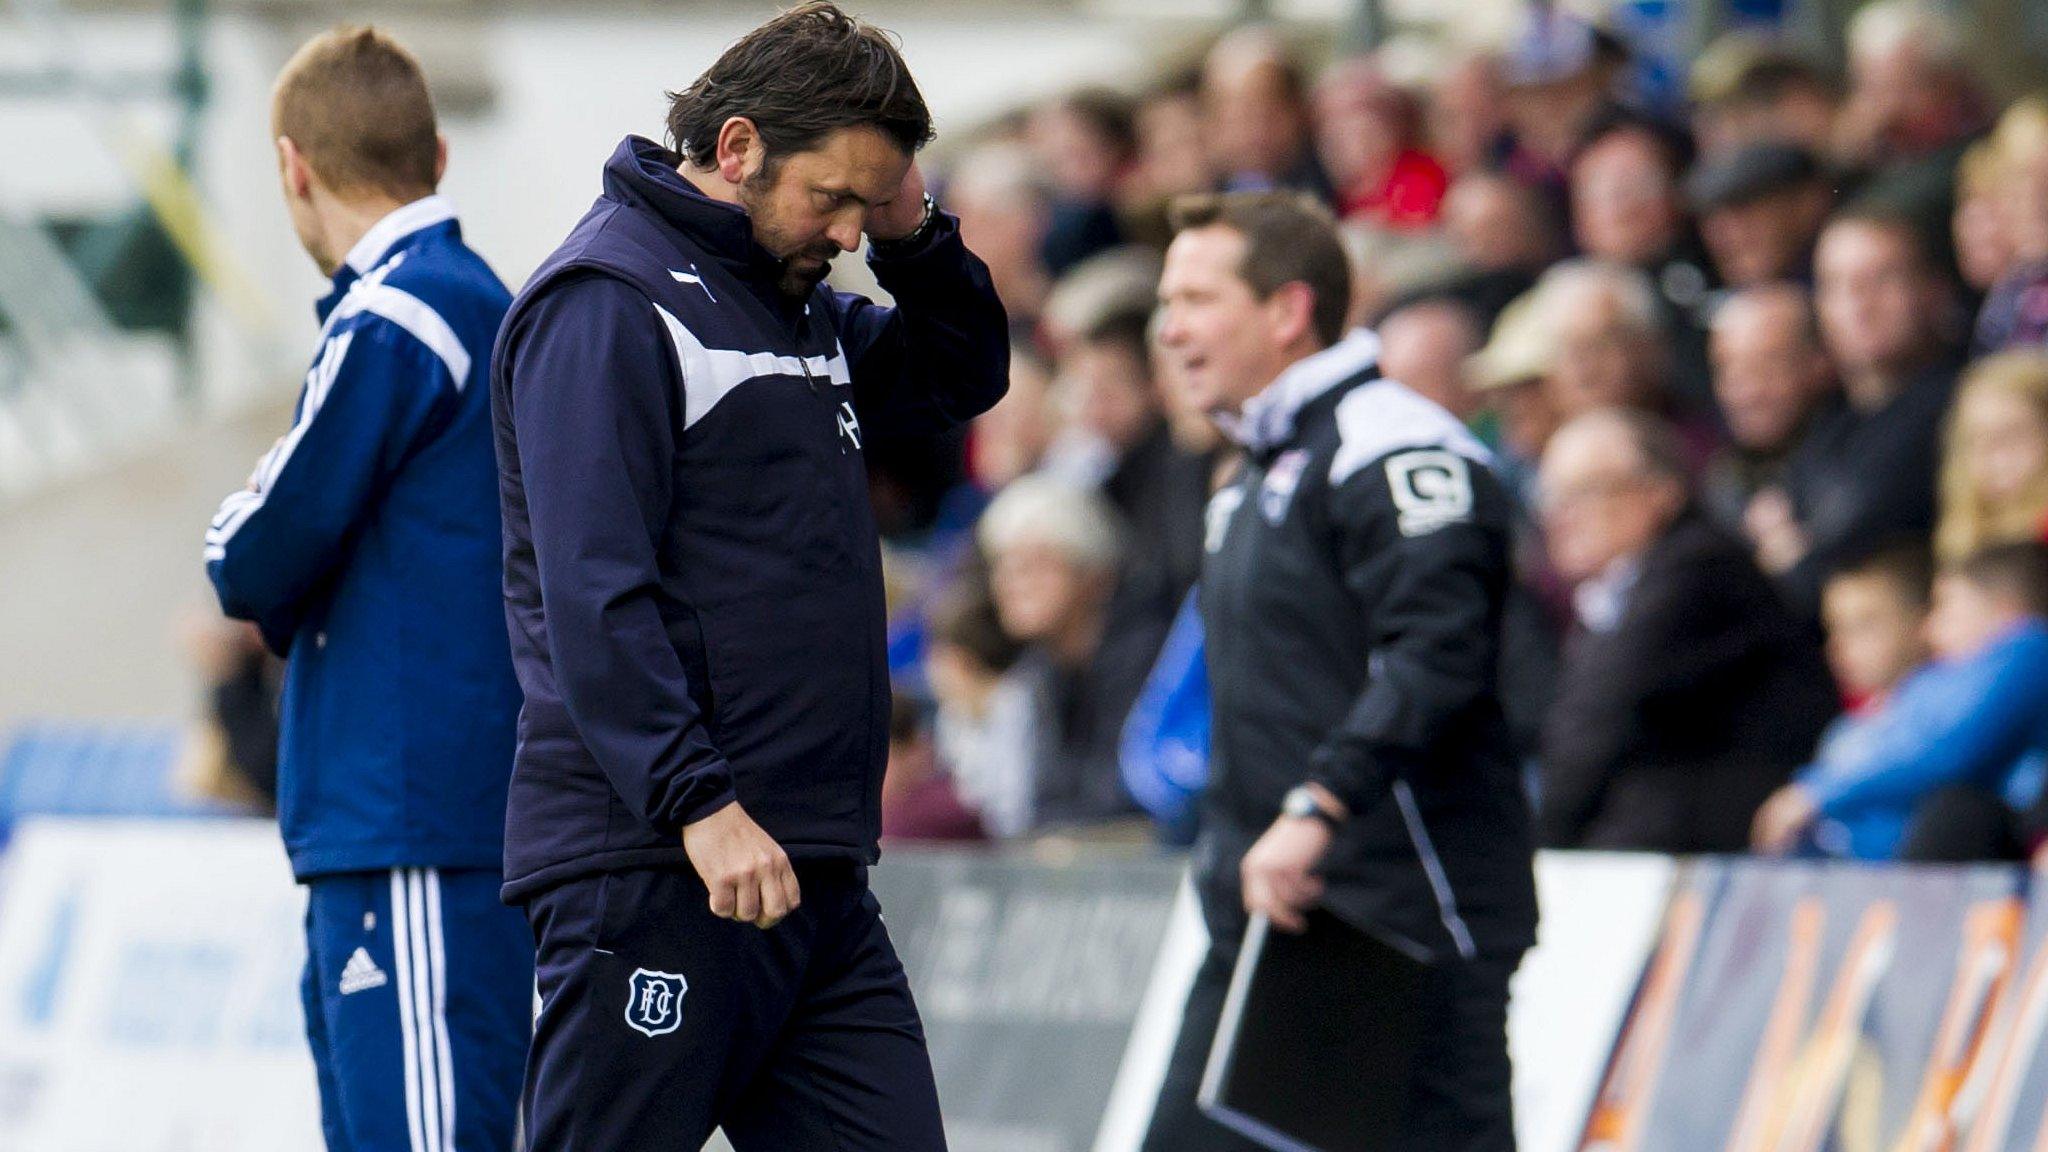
x=386 y=234
x=1266 y=421
x=643 y=174
x=374 y=250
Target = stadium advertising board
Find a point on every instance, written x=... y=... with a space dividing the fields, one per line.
x=1028 y=977
x=149 y=999
x=1813 y=1008
x=149 y=975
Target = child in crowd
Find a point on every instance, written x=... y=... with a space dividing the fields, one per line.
x=1994 y=478
x=919 y=799
x=1939 y=768
x=985 y=714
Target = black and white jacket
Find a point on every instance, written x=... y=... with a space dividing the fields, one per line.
x=1352 y=595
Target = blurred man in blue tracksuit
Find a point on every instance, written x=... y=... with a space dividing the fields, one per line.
x=366 y=549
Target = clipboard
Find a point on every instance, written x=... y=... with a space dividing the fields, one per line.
x=1317 y=1039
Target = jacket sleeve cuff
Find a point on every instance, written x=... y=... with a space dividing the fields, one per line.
x=709 y=790
x=1824 y=783
x=1359 y=781
x=885 y=253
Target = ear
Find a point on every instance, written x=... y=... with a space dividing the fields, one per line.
x=740 y=152
x=440 y=159
x=1290 y=314
x=293 y=169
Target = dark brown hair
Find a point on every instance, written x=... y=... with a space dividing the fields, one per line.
x=1879 y=213
x=1905 y=564
x=965 y=618
x=355 y=104
x=800 y=77
x=1125 y=329
x=2017 y=571
x=1109 y=114
x=1288 y=239
x=1658 y=444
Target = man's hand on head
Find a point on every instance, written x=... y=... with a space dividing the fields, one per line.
x=746 y=871
x=903 y=213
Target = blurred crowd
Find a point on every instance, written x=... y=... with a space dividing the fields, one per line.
x=1765 y=360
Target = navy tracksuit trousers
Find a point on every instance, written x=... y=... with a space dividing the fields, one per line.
x=418 y=993
x=660 y=1022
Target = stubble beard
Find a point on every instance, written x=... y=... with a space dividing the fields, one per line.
x=793 y=282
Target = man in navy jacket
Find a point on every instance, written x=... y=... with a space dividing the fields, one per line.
x=693 y=587
x=366 y=548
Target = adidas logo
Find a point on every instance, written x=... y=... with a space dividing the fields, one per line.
x=361 y=973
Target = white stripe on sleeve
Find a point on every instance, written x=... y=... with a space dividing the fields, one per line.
x=236 y=510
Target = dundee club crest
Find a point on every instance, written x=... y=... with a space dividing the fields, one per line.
x=654 y=1001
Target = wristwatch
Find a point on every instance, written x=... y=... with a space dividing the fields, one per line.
x=917 y=236
x=1300 y=801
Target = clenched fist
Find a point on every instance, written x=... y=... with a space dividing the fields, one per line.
x=747 y=872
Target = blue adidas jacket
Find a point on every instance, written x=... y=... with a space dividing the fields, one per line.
x=692 y=575
x=1981 y=720
x=367 y=546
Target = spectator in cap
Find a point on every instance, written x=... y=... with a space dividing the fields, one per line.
x=1748 y=89
x=1771 y=380
x=1510 y=371
x=1761 y=207
x=1628 y=209
x=1688 y=692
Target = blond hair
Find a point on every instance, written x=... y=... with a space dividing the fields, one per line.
x=355 y=104
x=1970 y=522
x=1981 y=171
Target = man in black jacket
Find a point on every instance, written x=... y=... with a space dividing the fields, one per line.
x=1865 y=472
x=1352 y=596
x=1690 y=691
x=694 y=592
